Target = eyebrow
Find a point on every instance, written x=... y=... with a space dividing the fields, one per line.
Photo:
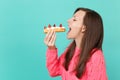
x=76 y=17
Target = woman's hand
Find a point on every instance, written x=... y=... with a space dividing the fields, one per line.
x=50 y=39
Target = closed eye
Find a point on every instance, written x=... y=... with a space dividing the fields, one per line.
x=74 y=20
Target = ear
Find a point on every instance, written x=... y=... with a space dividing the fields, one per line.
x=83 y=29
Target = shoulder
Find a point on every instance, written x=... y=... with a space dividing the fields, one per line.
x=96 y=61
x=95 y=67
x=96 y=53
x=97 y=56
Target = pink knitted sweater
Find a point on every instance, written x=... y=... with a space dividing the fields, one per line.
x=95 y=67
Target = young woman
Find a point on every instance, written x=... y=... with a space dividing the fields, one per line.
x=83 y=59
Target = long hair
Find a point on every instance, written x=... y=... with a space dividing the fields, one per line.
x=92 y=39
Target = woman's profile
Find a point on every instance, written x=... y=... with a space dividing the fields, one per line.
x=83 y=59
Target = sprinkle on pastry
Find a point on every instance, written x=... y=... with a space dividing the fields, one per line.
x=54 y=25
x=45 y=27
x=60 y=25
x=49 y=26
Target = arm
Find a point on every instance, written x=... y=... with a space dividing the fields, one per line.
x=96 y=67
x=52 y=62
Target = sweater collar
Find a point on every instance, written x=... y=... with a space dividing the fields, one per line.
x=77 y=51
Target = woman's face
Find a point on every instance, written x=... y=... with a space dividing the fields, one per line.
x=75 y=25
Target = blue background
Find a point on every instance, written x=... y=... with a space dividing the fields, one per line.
x=22 y=48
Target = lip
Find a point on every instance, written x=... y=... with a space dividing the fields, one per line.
x=69 y=30
x=68 y=26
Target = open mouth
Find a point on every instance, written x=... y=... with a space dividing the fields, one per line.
x=69 y=30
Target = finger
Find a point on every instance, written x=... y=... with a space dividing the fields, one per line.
x=48 y=38
x=48 y=35
x=45 y=40
x=52 y=41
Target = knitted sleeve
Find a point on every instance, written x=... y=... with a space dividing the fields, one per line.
x=53 y=62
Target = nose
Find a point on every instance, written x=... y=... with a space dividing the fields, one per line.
x=69 y=20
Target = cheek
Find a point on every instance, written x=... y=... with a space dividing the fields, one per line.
x=76 y=27
x=76 y=31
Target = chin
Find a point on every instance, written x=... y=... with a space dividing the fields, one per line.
x=69 y=37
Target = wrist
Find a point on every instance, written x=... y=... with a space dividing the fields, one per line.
x=52 y=47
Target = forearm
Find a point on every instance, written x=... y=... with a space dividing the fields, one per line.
x=53 y=62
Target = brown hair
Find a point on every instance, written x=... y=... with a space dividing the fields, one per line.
x=92 y=39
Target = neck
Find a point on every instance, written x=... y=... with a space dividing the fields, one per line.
x=78 y=42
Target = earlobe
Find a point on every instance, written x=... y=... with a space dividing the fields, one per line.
x=83 y=28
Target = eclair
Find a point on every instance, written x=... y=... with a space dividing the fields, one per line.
x=59 y=28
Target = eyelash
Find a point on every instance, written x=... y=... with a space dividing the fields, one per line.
x=74 y=19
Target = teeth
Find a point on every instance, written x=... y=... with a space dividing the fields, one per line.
x=69 y=29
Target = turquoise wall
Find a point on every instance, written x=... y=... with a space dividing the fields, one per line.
x=22 y=50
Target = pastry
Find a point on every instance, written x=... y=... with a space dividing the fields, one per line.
x=55 y=28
